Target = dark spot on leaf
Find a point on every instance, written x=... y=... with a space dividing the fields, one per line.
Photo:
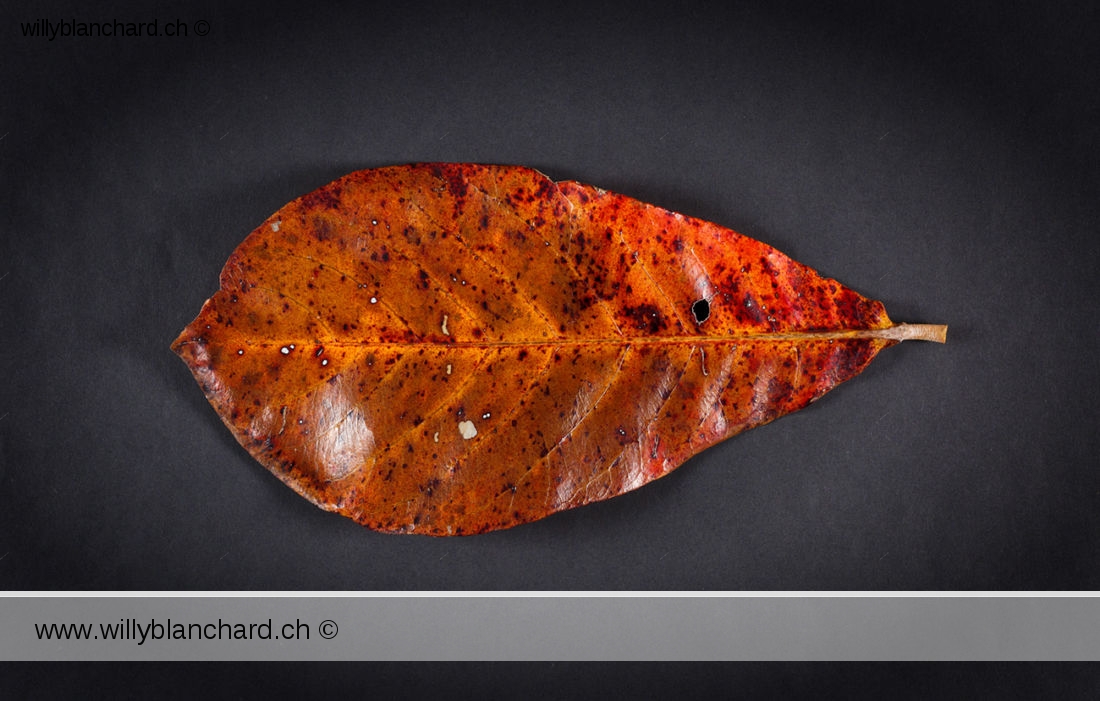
x=646 y=317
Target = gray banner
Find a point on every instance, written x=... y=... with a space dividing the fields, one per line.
x=562 y=628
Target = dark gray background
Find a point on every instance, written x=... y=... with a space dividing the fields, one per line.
x=941 y=158
x=597 y=680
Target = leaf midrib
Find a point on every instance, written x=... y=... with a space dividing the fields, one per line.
x=889 y=333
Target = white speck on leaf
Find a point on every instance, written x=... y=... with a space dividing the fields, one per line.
x=466 y=429
x=445 y=332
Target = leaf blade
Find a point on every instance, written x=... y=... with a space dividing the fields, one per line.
x=452 y=348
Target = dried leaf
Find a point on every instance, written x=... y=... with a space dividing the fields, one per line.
x=452 y=349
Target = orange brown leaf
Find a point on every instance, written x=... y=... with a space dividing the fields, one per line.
x=454 y=348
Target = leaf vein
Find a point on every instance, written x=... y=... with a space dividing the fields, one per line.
x=656 y=285
x=574 y=273
x=485 y=264
x=381 y=301
x=457 y=391
x=441 y=284
x=301 y=304
x=592 y=407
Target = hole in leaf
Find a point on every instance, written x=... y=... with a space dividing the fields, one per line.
x=700 y=309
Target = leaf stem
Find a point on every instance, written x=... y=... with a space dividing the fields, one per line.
x=937 y=333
